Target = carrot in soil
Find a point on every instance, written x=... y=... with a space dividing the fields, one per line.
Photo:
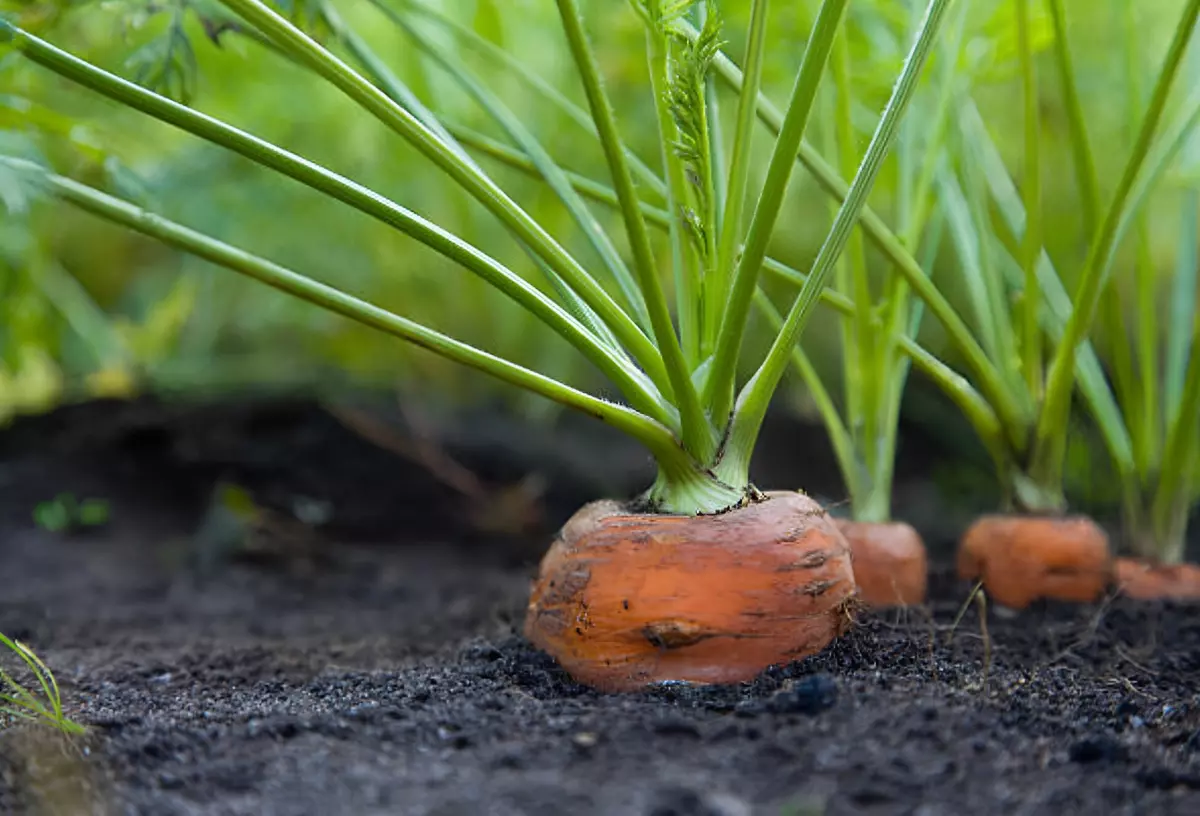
x=624 y=600
x=1022 y=559
x=890 y=564
x=1145 y=581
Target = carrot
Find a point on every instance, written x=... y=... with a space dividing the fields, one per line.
x=890 y=564
x=1145 y=581
x=624 y=600
x=1025 y=558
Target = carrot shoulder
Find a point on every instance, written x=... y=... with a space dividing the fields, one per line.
x=626 y=600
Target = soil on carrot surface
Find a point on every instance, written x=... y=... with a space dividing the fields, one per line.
x=371 y=664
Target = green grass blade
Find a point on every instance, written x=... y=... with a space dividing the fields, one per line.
x=657 y=438
x=464 y=173
x=722 y=379
x=1050 y=445
x=641 y=394
x=45 y=678
x=698 y=434
x=755 y=396
x=739 y=168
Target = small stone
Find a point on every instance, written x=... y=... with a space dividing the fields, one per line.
x=585 y=739
x=809 y=695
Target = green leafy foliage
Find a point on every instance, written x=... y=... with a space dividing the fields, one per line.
x=686 y=98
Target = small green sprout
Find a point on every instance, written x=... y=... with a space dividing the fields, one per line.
x=65 y=513
x=19 y=703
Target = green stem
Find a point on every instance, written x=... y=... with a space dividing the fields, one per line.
x=1050 y=440
x=1013 y=412
x=637 y=390
x=739 y=167
x=397 y=90
x=533 y=81
x=547 y=167
x=1093 y=385
x=653 y=435
x=586 y=187
x=976 y=409
x=698 y=434
x=839 y=436
x=464 y=173
x=1182 y=318
x=722 y=379
x=1081 y=149
x=1173 y=494
x=756 y=395
x=1031 y=247
x=1146 y=422
x=862 y=357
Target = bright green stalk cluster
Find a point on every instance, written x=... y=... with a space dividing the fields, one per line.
x=19 y=703
x=680 y=382
x=1024 y=341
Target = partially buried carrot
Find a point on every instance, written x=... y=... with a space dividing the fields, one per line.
x=890 y=564
x=625 y=600
x=1021 y=559
x=1151 y=582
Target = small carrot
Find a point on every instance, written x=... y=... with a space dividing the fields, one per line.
x=1145 y=581
x=1023 y=558
x=624 y=600
x=891 y=567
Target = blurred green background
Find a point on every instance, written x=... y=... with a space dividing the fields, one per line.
x=88 y=309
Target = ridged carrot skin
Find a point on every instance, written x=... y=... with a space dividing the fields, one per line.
x=1021 y=559
x=626 y=600
x=1157 y=582
x=891 y=566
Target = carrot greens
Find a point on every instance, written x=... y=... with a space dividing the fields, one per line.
x=668 y=336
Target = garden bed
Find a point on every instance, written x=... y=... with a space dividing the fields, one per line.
x=380 y=671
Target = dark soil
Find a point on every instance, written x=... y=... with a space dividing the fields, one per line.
x=385 y=674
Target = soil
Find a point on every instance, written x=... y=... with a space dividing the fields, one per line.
x=372 y=664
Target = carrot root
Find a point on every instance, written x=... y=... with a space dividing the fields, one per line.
x=890 y=563
x=1144 y=581
x=625 y=600
x=1021 y=559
